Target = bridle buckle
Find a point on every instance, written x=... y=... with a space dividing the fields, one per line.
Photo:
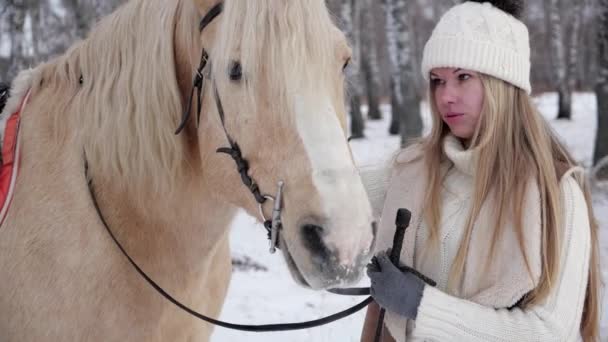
x=276 y=218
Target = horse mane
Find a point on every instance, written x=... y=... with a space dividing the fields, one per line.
x=127 y=104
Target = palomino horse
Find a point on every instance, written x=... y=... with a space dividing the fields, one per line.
x=115 y=100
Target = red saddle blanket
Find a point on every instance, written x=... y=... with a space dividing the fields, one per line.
x=10 y=159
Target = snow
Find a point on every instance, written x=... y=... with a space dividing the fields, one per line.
x=271 y=296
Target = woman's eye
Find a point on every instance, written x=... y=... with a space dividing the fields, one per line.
x=464 y=77
x=436 y=81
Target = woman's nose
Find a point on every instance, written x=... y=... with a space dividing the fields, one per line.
x=448 y=94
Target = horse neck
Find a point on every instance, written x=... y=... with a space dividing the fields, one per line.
x=169 y=234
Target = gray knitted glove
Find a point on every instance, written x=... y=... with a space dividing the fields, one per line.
x=396 y=291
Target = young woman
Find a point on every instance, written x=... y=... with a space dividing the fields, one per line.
x=501 y=217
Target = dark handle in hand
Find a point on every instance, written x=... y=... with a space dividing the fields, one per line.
x=402 y=221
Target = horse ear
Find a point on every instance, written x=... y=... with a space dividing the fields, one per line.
x=205 y=5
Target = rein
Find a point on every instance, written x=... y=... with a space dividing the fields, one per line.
x=228 y=325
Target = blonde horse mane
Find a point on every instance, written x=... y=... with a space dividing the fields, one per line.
x=129 y=102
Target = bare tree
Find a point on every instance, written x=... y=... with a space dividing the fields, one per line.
x=564 y=45
x=85 y=13
x=601 y=88
x=16 y=19
x=370 y=67
x=574 y=45
x=82 y=16
x=405 y=98
x=54 y=26
x=350 y=16
x=558 y=54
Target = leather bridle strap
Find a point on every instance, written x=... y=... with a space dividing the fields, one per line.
x=211 y=15
x=235 y=152
x=199 y=78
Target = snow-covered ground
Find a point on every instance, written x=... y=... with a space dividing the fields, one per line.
x=269 y=295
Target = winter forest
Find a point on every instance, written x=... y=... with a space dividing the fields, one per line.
x=569 y=40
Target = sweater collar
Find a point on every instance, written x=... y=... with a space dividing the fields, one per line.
x=464 y=160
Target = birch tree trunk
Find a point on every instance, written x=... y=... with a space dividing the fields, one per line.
x=601 y=88
x=405 y=99
x=33 y=7
x=81 y=16
x=16 y=19
x=55 y=25
x=350 y=15
x=391 y=45
x=370 y=67
x=85 y=13
x=573 y=48
x=558 y=57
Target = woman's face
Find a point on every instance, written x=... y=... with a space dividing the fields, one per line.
x=458 y=94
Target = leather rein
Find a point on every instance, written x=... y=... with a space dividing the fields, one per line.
x=273 y=225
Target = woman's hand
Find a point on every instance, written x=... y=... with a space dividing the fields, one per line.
x=393 y=289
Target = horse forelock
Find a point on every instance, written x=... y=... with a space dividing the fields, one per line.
x=283 y=46
x=291 y=55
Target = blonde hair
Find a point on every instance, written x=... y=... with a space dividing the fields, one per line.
x=517 y=146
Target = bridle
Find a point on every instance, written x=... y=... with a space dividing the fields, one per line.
x=273 y=224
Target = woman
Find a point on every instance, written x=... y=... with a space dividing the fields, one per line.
x=501 y=218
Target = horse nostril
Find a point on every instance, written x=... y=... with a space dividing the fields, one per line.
x=312 y=235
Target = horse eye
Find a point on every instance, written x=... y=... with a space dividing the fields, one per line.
x=346 y=64
x=236 y=71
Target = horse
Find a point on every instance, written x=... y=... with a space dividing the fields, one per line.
x=100 y=121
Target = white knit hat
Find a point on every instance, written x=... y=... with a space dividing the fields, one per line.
x=483 y=38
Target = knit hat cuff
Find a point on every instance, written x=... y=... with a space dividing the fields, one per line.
x=490 y=59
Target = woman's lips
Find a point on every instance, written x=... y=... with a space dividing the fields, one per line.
x=453 y=117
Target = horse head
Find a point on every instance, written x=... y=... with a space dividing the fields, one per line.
x=276 y=68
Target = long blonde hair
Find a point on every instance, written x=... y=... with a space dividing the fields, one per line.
x=517 y=146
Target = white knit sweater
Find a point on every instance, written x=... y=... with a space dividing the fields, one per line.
x=480 y=312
